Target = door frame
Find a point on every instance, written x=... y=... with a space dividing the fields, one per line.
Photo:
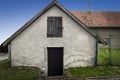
x=47 y=59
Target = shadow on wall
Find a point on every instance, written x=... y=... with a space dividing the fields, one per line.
x=4 y=49
x=3 y=53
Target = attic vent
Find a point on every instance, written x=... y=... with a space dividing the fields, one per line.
x=54 y=27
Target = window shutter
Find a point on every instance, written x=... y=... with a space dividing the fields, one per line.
x=54 y=27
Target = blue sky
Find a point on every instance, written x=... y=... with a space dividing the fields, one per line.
x=15 y=13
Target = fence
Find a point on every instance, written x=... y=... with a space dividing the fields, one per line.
x=110 y=54
x=114 y=49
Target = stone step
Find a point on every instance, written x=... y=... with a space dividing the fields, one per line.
x=51 y=78
x=55 y=77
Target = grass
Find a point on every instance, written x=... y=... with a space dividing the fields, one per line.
x=80 y=72
x=17 y=73
x=115 y=56
x=104 y=59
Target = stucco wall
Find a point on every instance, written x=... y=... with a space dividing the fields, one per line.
x=30 y=47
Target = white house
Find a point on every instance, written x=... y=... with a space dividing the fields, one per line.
x=53 y=40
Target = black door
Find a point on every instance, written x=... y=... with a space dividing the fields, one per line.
x=55 y=61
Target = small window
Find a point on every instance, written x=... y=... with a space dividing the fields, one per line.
x=54 y=27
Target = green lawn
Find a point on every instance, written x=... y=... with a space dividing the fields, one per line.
x=17 y=73
x=104 y=57
x=115 y=57
x=80 y=72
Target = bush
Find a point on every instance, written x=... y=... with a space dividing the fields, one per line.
x=103 y=57
x=109 y=58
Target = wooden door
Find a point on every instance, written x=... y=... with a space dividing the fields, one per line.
x=55 y=61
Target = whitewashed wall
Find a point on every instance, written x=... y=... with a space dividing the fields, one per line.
x=30 y=47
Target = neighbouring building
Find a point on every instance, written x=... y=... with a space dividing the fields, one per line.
x=103 y=23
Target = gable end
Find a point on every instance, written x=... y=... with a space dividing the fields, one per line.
x=5 y=43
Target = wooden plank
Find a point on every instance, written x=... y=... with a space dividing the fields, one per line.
x=54 y=27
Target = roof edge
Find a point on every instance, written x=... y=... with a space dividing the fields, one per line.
x=27 y=24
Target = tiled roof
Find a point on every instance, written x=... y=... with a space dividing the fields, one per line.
x=99 y=19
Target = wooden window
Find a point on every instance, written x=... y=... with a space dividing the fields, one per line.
x=54 y=27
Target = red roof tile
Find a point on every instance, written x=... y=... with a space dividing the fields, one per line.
x=98 y=19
